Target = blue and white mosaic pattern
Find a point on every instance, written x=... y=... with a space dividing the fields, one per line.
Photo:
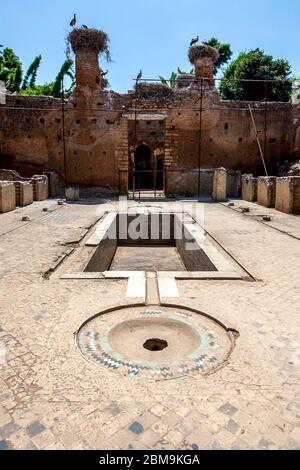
x=213 y=350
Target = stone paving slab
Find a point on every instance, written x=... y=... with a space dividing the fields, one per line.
x=51 y=397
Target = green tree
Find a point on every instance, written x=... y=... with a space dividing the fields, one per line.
x=10 y=69
x=52 y=88
x=66 y=69
x=256 y=65
x=38 y=90
x=30 y=77
x=224 y=50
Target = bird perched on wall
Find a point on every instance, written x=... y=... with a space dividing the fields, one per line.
x=104 y=73
x=194 y=40
x=73 y=21
x=139 y=76
x=180 y=71
x=84 y=26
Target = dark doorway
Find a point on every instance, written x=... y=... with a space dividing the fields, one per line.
x=143 y=167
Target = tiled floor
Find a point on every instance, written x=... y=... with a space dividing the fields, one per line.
x=52 y=398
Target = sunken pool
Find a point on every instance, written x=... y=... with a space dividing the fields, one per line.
x=154 y=242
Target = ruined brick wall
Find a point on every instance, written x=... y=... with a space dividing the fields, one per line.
x=99 y=135
x=230 y=142
x=31 y=140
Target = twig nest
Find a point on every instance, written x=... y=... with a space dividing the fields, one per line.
x=203 y=52
x=153 y=91
x=91 y=39
x=185 y=80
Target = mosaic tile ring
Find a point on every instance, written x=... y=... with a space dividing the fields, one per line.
x=194 y=343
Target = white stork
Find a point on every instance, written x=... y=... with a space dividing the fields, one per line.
x=194 y=41
x=73 y=21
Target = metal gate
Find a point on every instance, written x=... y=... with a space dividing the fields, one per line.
x=146 y=184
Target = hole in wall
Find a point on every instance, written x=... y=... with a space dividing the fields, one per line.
x=155 y=344
x=226 y=126
x=272 y=140
x=42 y=121
x=241 y=139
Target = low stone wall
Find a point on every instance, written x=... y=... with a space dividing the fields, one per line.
x=40 y=187
x=220 y=184
x=7 y=196
x=10 y=175
x=234 y=183
x=288 y=195
x=24 y=193
x=266 y=191
x=185 y=182
x=72 y=193
x=249 y=188
x=56 y=186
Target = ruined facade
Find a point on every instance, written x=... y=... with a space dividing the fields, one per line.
x=97 y=138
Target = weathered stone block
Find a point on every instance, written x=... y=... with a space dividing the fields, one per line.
x=220 y=184
x=288 y=195
x=249 y=188
x=72 y=193
x=40 y=187
x=7 y=196
x=24 y=193
x=55 y=188
x=266 y=191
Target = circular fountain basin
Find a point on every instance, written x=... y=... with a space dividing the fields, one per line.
x=155 y=342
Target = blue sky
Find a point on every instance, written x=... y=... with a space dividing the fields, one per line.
x=149 y=34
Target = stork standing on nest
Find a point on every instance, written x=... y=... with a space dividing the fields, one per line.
x=194 y=41
x=104 y=73
x=139 y=76
x=73 y=21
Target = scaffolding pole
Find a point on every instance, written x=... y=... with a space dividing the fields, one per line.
x=258 y=141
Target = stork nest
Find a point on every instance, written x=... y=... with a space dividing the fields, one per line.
x=201 y=52
x=153 y=91
x=185 y=80
x=91 y=39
